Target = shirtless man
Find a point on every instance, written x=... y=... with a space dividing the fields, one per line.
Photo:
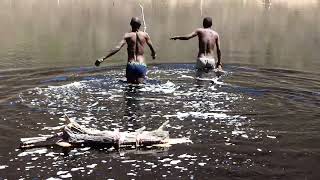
x=136 y=40
x=208 y=39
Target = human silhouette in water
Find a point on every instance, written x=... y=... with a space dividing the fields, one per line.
x=136 y=40
x=208 y=39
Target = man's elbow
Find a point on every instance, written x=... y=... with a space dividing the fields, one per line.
x=116 y=49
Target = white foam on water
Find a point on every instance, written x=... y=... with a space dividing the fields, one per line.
x=53 y=178
x=91 y=166
x=64 y=176
x=131 y=174
x=51 y=154
x=77 y=169
x=183 y=156
x=186 y=76
x=33 y=151
x=165 y=160
x=79 y=84
x=202 y=164
x=271 y=137
x=201 y=115
x=149 y=163
x=128 y=161
x=245 y=136
x=175 y=162
x=182 y=140
x=166 y=88
x=53 y=128
x=62 y=172
x=3 y=166
x=238 y=132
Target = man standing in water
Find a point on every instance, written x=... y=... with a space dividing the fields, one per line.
x=208 y=39
x=136 y=40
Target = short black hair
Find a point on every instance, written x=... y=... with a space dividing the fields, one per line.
x=135 y=22
x=207 y=22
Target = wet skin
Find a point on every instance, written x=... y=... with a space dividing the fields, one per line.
x=208 y=39
x=136 y=41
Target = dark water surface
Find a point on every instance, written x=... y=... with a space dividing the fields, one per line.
x=258 y=121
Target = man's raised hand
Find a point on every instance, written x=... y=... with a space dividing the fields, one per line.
x=98 y=61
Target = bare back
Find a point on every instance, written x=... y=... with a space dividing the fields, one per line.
x=136 y=42
x=207 y=41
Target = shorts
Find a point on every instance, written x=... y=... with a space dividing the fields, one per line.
x=205 y=62
x=136 y=70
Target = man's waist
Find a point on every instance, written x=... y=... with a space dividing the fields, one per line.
x=205 y=57
x=136 y=63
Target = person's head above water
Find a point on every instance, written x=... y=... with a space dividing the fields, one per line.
x=135 y=23
x=207 y=22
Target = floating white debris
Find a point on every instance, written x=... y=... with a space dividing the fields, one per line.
x=259 y=149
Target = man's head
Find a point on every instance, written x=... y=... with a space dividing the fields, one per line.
x=135 y=23
x=207 y=22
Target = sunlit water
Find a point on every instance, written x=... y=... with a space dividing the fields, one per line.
x=260 y=120
x=249 y=122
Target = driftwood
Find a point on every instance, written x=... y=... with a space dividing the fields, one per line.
x=144 y=21
x=74 y=134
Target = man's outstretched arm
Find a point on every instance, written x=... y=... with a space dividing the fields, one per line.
x=219 y=64
x=186 y=37
x=153 y=52
x=112 y=52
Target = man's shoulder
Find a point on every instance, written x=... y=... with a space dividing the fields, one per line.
x=127 y=34
x=199 y=30
x=143 y=33
x=215 y=32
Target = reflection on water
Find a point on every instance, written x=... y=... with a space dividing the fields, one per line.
x=245 y=122
x=48 y=33
x=255 y=121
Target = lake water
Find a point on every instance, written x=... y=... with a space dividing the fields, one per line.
x=258 y=121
